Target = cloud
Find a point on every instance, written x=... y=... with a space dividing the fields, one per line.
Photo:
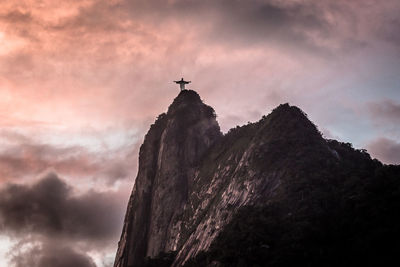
x=254 y=23
x=295 y=25
x=54 y=226
x=385 y=111
x=386 y=150
x=16 y=16
x=91 y=63
x=110 y=60
x=24 y=157
x=51 y=255
x=31 y=159
x=50 y=208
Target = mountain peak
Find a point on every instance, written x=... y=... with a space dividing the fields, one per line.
x=193 y=182
x=289 y=110
x=291 y=123
x=188 y=95
x=172 y=148
x=188 y=106
x=185 y=98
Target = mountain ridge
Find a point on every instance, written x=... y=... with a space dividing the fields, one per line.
x=193 y=182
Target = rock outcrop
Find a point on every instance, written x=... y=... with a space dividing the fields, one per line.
x=195 y=187
x=171 y=150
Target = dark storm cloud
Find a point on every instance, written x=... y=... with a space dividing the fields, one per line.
x=304 y=25
x=254 y=22
x=51 y=255
x=230 y=22
x=386 y=150
x=386 y=111
x=49 y=208
x=302 y=22
x=323 y=26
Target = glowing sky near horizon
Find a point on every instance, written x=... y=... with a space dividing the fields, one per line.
x=81 y=82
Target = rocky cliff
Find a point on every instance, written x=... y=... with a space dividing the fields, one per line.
x=168 y=158
x=264 y=194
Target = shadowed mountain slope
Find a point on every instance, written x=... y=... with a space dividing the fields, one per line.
x=270 y=193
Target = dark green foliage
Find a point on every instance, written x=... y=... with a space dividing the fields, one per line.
x=336 y=206
x=341 y=215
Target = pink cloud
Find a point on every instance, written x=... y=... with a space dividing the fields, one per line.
x=386 y=150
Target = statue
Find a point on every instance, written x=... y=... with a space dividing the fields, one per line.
x=182 y=83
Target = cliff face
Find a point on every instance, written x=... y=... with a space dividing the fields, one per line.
x=195 y=188
x=250 y=166
x=172 y=148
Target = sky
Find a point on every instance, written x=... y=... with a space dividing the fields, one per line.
x=82 y=81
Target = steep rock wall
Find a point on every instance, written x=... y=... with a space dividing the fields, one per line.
x=171 y=149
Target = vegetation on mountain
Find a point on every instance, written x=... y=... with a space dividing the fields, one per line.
x=270 y=193
x=348 y=217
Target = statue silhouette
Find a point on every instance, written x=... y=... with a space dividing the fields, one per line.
x=182 y=83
